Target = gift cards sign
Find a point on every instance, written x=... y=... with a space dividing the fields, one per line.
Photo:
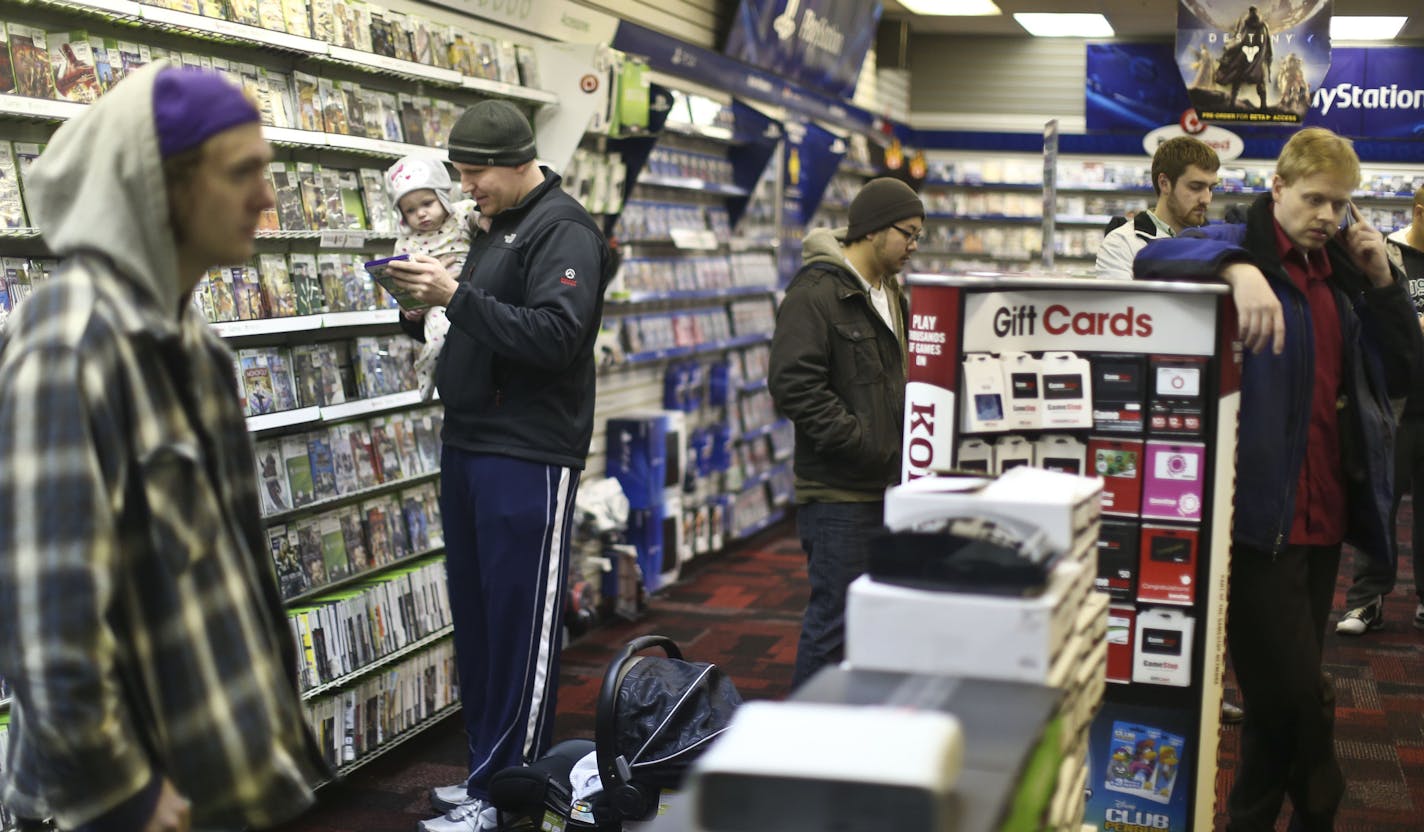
x=1134 y=322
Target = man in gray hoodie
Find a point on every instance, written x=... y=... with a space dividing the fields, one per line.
x=838 y=373
x=140 y=623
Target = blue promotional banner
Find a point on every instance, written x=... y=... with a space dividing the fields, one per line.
x=1245 y=63
x=1367 y=93
x=715 y=70
x=819 y=43
x=812 y=155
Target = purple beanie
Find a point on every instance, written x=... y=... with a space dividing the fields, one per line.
x=192 y=105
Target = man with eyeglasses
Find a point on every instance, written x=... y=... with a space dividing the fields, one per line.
x=1184 y=176
x=838 y=372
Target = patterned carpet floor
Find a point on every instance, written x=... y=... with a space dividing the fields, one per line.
x=742 y=611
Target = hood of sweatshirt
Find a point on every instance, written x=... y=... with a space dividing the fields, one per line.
x=824 y=245
x=98 y=188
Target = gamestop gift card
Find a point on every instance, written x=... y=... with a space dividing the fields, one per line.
x=1175 y=474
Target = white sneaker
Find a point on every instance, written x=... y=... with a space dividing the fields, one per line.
x=474 y=815
x=1419 y=617
x=1361 y=620
x=446 y=798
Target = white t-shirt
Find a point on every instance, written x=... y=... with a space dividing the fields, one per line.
x=878 y=297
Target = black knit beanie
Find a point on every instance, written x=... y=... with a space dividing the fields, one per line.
x=492 y=134
x=880 y=204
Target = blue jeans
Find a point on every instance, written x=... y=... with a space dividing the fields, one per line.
x=836 y=537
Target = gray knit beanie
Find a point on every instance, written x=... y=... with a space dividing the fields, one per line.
x=880 y=204
x=492 y=134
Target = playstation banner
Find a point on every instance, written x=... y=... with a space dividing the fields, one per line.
x=1253 y=63
x=818 y=43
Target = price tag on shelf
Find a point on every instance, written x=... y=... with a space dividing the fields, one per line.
x=700 y=239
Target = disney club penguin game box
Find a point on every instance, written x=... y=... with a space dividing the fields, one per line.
x=1140 y=770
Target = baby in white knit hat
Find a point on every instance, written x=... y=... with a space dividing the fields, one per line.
x=429 y=222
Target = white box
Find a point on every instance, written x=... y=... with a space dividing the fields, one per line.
x=891 y=627
x=1064 y=507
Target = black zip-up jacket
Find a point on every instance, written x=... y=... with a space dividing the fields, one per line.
x=517 y=371
x=1381 y=346
x=838 y=372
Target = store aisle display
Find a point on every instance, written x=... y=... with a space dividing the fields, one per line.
x=743 y=613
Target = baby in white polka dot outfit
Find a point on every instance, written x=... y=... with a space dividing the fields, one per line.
x=429 y=222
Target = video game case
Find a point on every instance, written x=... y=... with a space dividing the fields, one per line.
x=411 y=120
x=508 y=63
x=272 y=477
x=418 y=29
x=333 y=107
x=276 y=282
x=417 y=519
x=404 y=433
x=289 y=196
x=385 y=454
x=308 y=100
x=243 y=11
x=528 y=63
x=29 y=59
x=353 y=536
x=486 y=57
x=297 y=460
x=306 y=285
x=313 y=198
x=328 y=270
x=379 y=213
x=322 y=467
x=256 y=382
x=247 y=291
x=343 y=461
x=291 y=579
x=284 y=391
x=296 y=18
x=333 y=547
x=359 y=439
x=12 y=206
x=132 y=57
x=439 y=45
x=277 y=103
x=323 y=24
x=7 y=69
x=333 y=209
x=72 y=61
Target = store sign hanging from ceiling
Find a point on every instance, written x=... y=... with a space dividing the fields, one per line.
x=1253 y=63
x=1227 y=144
x=1367 y=94
x=818 y=43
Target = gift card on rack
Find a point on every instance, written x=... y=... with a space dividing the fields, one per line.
x=1119 y=463
x=1144 y=762
x=975 y=454
x=1119 y=390
x=1122 y=626
x=1162 y=653
x=1167 y=570
x=1174 y=477
x=1022 y=382
x=1117 y=560
x=1060 y=452
x=1067 y=391
x=1011 y=452
x=1176 y=402
x=983 y=394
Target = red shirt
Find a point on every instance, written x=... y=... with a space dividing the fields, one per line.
x=1319 y=517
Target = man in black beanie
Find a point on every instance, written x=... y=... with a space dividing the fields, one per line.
x=516 y=377
x=838 y=372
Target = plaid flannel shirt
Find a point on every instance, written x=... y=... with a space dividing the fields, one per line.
x=140 y=622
